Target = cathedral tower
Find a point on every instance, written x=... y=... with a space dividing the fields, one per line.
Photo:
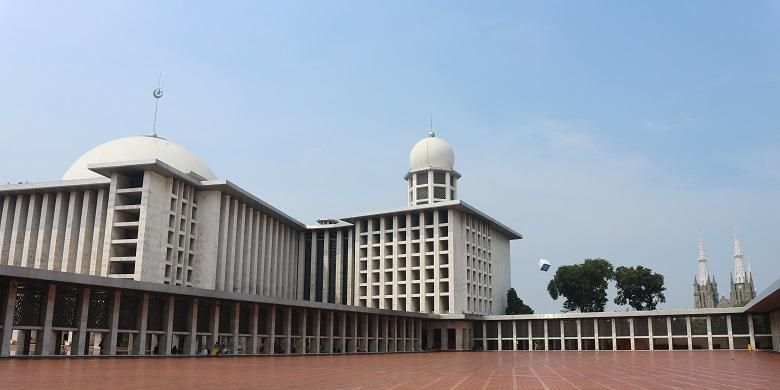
x=742 y=290
x=705 y=290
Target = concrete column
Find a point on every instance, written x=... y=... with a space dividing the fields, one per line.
x=317 y=326
x=377 y=338
x=254 y=320
x=751 y=331
x=217 y=307
x=9 y=303
x=82 y=315
x=418 y=334
x=579 y=334
x=614 y=334
x=235 y=319
x=546 y=336
x=500 y=336
x=303 y=324
x=596 y=332
x=688 y=327
x=709 y=332
x=45 y=344
x=139 y=342
x=365 y=333
x=650 y=331
x=343 y=319
x=288 y=330
x=113 y=325
x=272 y=331
x=730 y=332
x=164 y=346
x=191 y=347
x=329 y=329
x=354 y=335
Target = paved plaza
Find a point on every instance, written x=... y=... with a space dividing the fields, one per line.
x=445 y=370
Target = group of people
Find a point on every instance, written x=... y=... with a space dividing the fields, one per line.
x=216 y=350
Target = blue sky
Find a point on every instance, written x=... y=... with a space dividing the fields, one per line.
x=622 y=130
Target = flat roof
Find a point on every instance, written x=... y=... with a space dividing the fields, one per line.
x=456 y=204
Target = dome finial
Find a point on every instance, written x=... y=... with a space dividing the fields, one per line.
x=157 y=93
x=430 y=131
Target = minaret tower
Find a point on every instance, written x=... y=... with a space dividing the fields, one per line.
x=705 y=290
x=431 y=177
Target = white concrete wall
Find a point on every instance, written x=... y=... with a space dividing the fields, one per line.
x=60 y=231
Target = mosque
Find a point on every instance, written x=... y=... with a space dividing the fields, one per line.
x=141 y=249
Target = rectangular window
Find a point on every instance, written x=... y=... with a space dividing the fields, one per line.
x=439 y=178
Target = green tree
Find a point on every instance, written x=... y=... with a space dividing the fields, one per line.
x=583 y=285
x=639 y=287
x=515 y=305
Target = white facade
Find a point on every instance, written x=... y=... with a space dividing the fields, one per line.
x=146 y=209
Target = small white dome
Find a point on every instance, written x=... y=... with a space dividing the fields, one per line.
x=431 y=152
x=138 y=148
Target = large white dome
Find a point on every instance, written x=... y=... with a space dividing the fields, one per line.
x=139 y=148
x=432 y=152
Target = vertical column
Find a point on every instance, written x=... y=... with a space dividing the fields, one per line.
x=325 y=266
x=730 y=332
x=546 y=336
x=45 y=344
x=631 y=332
x=365 y=333
x=302 y=327
x=351 y=267
x=339 y=255
x=579 y=334
x=217 y=307
x=317 y=327
x=614 y=334
x=343 y=332
x=596 y=333
x=82 y=315
x=288 y=330
x=329 y=329
x=752 y=332
x=650 y=331
x=192 y=326
x=139 y=343
x=500 y=336
x=168 y=314
x=669 y=332
x=354 y=333
x=418 y=335
x=9 y=303
x=688 y=327
x=254 y=317
x=709 y=332
x=272 y=331
x=113 y=321
x=235 y=319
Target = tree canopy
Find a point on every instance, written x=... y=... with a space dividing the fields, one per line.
x=515 y=305
x=583 y=285
x=639 y=287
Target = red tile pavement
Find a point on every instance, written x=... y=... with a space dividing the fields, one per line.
x=435 y=370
